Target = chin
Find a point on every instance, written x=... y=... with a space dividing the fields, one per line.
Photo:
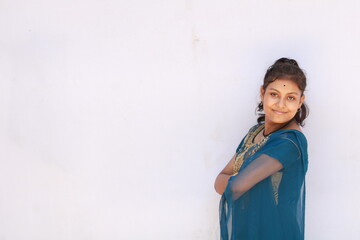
x=279 y=120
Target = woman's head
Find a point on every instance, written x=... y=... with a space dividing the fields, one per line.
x=283 y=92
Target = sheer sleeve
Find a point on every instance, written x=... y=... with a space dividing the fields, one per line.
x=282 y=153
x=257 y=170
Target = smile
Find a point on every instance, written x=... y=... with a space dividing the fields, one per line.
x=278 y=112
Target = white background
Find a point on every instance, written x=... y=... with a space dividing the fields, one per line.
x=116 y=116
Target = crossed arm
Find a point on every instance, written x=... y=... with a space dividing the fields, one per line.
x=259 y=169
x=222 y=179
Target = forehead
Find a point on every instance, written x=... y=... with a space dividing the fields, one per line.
x=284 y=85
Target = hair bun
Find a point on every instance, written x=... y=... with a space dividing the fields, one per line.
x=286 y=61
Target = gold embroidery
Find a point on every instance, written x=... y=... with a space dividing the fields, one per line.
x=248 y=149
x=275 y=182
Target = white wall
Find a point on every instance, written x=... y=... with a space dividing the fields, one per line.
x=116 y=116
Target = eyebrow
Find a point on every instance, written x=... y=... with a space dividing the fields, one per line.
x=287 y=93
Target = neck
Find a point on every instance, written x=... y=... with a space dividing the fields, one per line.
x=273 y=127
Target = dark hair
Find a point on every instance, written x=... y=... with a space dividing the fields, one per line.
x=285 y=68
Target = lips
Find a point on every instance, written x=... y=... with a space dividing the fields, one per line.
x=279 y=112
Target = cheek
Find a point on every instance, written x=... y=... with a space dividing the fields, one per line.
x=294 y=105
x=269 y=101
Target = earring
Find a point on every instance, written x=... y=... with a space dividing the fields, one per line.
x=299 y=110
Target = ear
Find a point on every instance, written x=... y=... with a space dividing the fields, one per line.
x=262 y=92
x=302 y=99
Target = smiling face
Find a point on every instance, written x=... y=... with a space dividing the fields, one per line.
x=281 y=99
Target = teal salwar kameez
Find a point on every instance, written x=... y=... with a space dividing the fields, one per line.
x=273 y=208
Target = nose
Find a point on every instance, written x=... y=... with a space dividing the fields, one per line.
x=281 y=102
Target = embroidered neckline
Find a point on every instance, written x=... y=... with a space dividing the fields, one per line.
x=249 y=145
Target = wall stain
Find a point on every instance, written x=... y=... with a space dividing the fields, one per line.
x=195 y=40
x=188 y=5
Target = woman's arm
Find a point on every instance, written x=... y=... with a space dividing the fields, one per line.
x=223 y=177
x=259 y=169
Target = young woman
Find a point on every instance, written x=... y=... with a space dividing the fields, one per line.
x=263 y=185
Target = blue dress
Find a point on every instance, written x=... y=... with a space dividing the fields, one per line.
x=273 y=207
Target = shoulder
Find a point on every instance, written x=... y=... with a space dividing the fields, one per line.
x=287 y=146
x=289 y=141
x=256 y=127
x=292 y=135
x=249 y=136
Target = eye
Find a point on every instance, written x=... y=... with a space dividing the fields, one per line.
x=291 y=98
x=273 y=94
